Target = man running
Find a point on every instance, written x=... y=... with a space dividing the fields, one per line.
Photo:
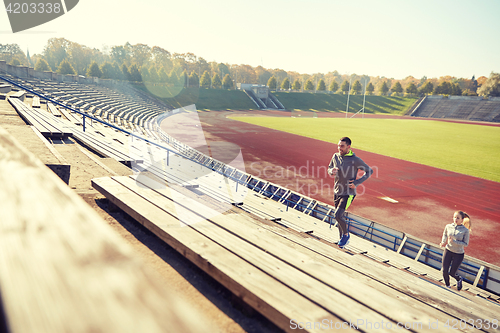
x=344 y=165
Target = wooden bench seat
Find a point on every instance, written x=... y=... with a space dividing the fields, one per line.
x=40 y=120
x=60 y=262
x=35 y=102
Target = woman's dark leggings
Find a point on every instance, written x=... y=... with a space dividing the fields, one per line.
x=455 y=260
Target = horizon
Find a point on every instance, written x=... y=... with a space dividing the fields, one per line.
x=459 y=36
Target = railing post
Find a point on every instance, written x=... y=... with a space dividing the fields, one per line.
x=84 y=123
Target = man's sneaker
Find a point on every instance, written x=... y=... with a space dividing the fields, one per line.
x=344 y=241
x=449 y=287
x=459 y=283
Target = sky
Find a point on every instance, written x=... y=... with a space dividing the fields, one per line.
x=390 y=38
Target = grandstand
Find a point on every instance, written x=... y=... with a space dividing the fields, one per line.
x=458 y=107
x=270 y=246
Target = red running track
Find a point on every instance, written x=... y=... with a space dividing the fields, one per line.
x=426 y=196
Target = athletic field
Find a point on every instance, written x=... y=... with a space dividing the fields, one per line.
x=470 y=149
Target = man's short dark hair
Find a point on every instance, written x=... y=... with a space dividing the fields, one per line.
x=346 y=140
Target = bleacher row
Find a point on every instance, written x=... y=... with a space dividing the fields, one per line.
x=459 y=107
x=270 y=246
x=127 y=107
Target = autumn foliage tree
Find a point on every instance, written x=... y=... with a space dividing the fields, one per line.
x=94 y=70
x=66 y=68
x=42 y=65
x=491 y=87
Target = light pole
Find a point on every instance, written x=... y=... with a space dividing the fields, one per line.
x=348 y=95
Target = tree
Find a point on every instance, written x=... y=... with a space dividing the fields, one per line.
x=456 y=90
x=94 y=70
x=106 y=70
x=356 y=87
x=334 y=86
x=141 y=54
x=444 y=88
x=321 y=85
x=244 y=74
x=427 y=88
x=227 y=82
x=397 y=88
x=12 y=52
x=135 y=75
x=173 y=79
x=42 y=65
x=216 y=82
x=145 y=73
x=120 y=54
x=383 y=88
x=223 y=69
x=126 y=73
x=473 y=84
x=370 y=88
x=205 y=80
x=262 y=74
x=163 y=76
x=160 y=57
x=309 y=85
x=285 y=84
x=194 y=80
x=296 y=85
x=411 y=89
x=184 y=76
x=56 y=51
x=345 y=87
x=491 y=87
x=271 y=83
x=66 y=68
x=153 y=74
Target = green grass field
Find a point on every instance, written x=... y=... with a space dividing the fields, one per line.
x=218 y=99
x=205 y=99
x=463 y=148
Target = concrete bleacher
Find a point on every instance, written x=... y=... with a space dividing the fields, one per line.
x=459 y=107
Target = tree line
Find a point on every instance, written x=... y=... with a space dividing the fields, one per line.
x=155 y=65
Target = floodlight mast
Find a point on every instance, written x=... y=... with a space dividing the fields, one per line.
x=348 y=95
x=364 y=99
